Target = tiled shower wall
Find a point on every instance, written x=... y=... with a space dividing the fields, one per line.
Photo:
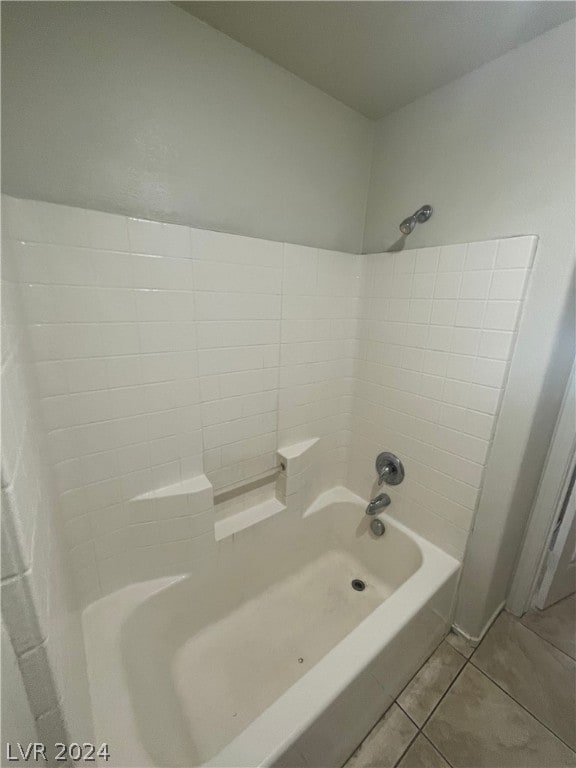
x=39 y=605
x=436 y=337
x=163 y=352
x=320 y=311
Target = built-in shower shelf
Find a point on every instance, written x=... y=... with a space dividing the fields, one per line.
x=246 y=518
x=191 y=496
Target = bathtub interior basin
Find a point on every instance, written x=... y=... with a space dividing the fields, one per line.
x=201 y=658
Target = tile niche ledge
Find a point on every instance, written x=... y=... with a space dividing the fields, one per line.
x=247 y=505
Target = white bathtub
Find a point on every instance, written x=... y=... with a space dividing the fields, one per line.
x=268 y=657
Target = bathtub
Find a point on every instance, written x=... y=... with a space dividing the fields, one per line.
x=269 y=657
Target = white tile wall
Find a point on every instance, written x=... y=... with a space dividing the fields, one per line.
x=436 y=338
x=163 y=352
x=320 y=310
x=238 y=284
x=39 y=609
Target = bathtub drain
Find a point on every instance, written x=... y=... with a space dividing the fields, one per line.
x=358 y=585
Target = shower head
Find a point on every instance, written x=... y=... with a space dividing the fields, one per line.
x=421 y=215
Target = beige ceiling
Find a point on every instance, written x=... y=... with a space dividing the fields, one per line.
x=378 y=56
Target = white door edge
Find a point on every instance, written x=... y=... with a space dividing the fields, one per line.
x=558 y=572
x=549 y=496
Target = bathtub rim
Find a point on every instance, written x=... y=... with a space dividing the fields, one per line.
x=270 y=735
x=267 y=738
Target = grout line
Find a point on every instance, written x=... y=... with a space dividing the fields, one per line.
x=467 y=660
x=421 y=728
x=401 y=709
x=428 y=445
x=545 y=639
x=442 y=755
x=412 y=740
x=532 y=715
x=424 y=736
x=441 y=699
x=452 y=631
x=406 y=713
x=357 y=747
x=416 y=673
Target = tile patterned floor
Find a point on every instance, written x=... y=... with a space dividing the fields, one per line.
x=509 y=703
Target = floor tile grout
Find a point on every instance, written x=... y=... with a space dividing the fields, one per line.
x=440 y=700
x=467 y=661
x=421 y=728
x=456 y=676
x=429 y=740
x=487 y=676
x=406 y=713
x=471 y=660
x=544 y=639
x=412 y=740
x=474 y=647
x=426 y=660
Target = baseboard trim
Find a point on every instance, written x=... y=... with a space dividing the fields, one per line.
x=476 y=640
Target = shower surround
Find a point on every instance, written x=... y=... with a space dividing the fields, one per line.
x=173 y=364
x=210 y=409
x=40 y=610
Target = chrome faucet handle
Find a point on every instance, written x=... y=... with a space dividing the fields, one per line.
x=390 y=469
x=384 y=473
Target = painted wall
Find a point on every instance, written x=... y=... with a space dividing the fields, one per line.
x=140 y=109
x=494 y=154
x=40 y=610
